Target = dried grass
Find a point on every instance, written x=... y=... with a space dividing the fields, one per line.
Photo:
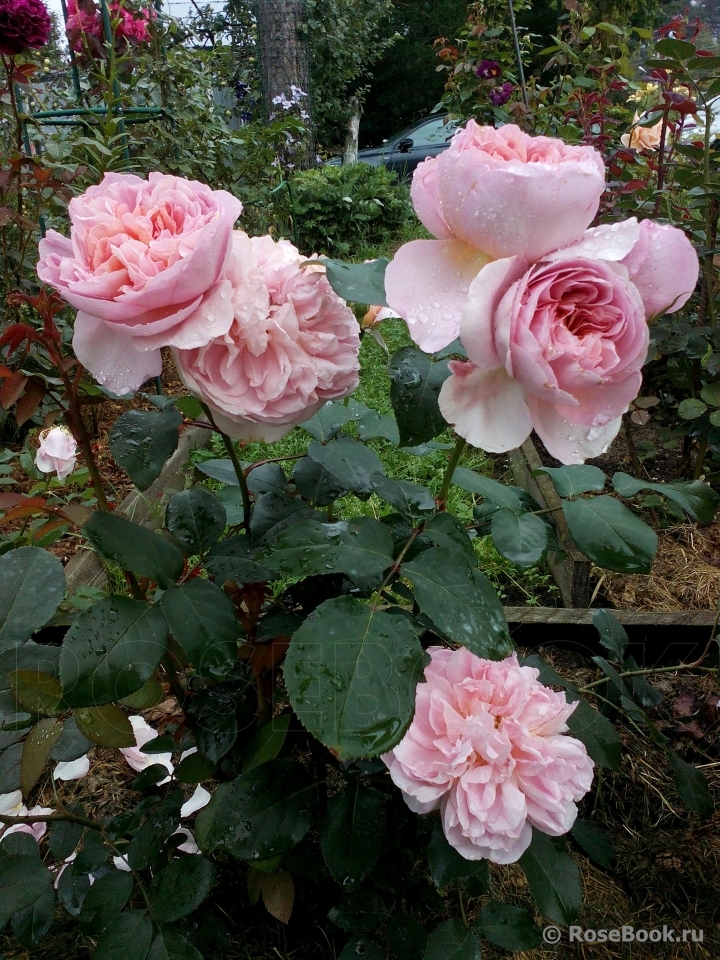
x=685 y=574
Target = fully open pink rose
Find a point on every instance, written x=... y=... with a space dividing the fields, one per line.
x=292 y=346
x=144 y=267
x=558 y=345
x=486 y=746
x=492 y=193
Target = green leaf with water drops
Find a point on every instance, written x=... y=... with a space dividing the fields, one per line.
x=611 y=535
x=351 y=672
x=141 y=441
x=358 y=282
x=359 y=548
x=36 y=751
x=261 y=814
x=106 y=725
x=352 y=833
x=328 y=421
x=415 y=382
x=351 y=463
x=134 y=547
x=314 y=483
x=452 y=941
x=32 y=586
x=696 y=498
x=203 y=621
x=196 y=519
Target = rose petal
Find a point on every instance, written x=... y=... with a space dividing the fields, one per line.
x=201 y=798
x=487 y=408
x=664 y=267
x=477 y=330
x=72 y=769
x=427 y=283
x=111 y=356
x=610 y=241
x=568 y=442
x=425 y=199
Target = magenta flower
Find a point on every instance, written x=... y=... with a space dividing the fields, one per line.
x=488 y=69
x=23 y=24
x=501 y=95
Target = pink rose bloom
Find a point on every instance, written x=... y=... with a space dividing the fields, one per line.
x=486 y=746
x=293 y=344
x=558 y=345
x=24 y=24
x=133 y=24
x=492 y=193
x=58 y=452
x=144 y=267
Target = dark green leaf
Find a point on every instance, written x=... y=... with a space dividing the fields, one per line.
x=358 y=282
x=446 y=530
x=31 y=925
x=234 y=559
x=352 y=833
x=597 y=733
x=32 y=586
x=362 y=949
x=10 y=761
x=203 y=621
x=677 y=49
x=351 y=463
x=696 y=498
x=267 y=478
x=509 y=927
x=374 y=424
x=106 y=725
x=141 y=441
x=351 y=672
x=409 y=499
x=570 y=481
x=39 y=692
x=134 y=547
x=448 y=866
x=415 y=382
x=216 y=722
x=406 y=937
x=262 y=814
x=181 y=887
x=24 y=880
x=452 y=941
x=194 y=769
x=190 y=407
x=460 y=601
x=359 y=548
x=105 y=900
x=111 y=650
x=196 y=519
x=691 y=785
x=149 y=694
x=522 y=539
x=610 y=535
x=64 y=837
x=127 y=937
x=499 y=494
x=221 y=470
x=358 y=912
x=315 y=484
x=595 y=842
x=554 y=879
x=328 y=421
x=150 y=777
x=274 y=512
x=612 y=634
x=36 y=751
x=171 y=945
x=267 y=743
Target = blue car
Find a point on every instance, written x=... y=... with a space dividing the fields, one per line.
x=403 y=152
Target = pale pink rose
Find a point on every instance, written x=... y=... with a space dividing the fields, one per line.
x=57 y=452
x=72 y=769
x=492 y=193
x=486 y=746
x=144 y=267
x=558 y=345
x=138 y=760
x=293 y=345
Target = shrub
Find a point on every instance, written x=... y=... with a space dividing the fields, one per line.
x=338 y=209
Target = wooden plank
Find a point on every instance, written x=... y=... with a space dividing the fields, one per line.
x=85 y=569
x=571 y=572
x=657 y=618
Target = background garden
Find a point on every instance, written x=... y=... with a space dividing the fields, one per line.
x=170 y=590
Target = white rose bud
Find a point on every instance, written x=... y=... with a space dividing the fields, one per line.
x=58 y=451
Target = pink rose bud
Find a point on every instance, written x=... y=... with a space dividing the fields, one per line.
x=144 y=266
x=293 y=345
x=558 y=345
x=58 y=452
x=487 y=747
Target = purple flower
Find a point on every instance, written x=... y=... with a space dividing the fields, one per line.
x=23 y=24
x=501 y=95
x=488 y=69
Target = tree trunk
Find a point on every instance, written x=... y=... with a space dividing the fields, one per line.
x=283 y=54
x=352 y=138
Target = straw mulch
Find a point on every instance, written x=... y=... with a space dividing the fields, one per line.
x=685 y=574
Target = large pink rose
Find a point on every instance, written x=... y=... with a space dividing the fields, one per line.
x=486 y=746
x=492 y=193
x=293 y=344
x=144 y=267
x=558 y=345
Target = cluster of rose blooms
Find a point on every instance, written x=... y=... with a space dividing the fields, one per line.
x=84 y=22
x=553 y=317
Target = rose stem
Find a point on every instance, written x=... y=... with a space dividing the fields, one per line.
x=239 y=472
x=454 y=460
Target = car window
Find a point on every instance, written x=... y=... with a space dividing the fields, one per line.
x=433 y=132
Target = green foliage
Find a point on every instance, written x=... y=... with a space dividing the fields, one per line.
x=337 y=210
